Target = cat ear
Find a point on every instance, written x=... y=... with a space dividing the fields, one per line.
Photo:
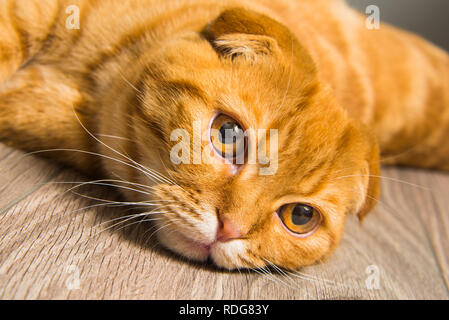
x=372 y=173
x=249 y=47
x=241 y=32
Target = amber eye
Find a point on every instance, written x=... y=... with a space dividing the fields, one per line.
x=228 y=138
x=300 y=218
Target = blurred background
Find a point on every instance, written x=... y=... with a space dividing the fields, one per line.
x=429 y=18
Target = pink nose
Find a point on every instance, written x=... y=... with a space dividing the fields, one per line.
x=227 y=231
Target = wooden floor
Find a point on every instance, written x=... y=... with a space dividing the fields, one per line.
x=50 y=248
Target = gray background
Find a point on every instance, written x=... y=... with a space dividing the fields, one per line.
x=430 y=18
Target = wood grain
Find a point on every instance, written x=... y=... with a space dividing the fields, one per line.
x=43 y=232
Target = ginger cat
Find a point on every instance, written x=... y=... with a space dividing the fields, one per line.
x=136 y=71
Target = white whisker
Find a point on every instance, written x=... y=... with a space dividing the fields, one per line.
x=141 y=203
x=146 y=171
x=94 y=154
x=387 y=178
x=107 y=185
x=112 y=136
x=129 y=83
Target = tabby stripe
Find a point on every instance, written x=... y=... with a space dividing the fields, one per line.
x=84 y=19
x=131 y=150
x=175 y=87
x=326 y=163
x=191 y=210
x=48 y=40
x=184 y=220
x=259 y=224
x=17 y=29
x=184 y=87
x=319 y=185
x=132 y=39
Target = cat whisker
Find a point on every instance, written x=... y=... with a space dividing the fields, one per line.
x=128 y=82
x=157 y=230
x=106 y=229
x=279 y=271
x=81 y=183
x=150 y=188
x=386 y=178
x=278 y=280
x=287 y=275
x=263 y=274
x=394 y=156
x=303 y=276
x=129 y=224
x=118 y=204
x=147 y=171
x=113 y=205
x=112 y=136
x=129 y=158
x=99 y=155
x=130 y=217
x=168 y=171
x=146 y=207
x=142 y=203
x=307 y=277
x=100 y=183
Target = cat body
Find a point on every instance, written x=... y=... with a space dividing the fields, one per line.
x=116 y=89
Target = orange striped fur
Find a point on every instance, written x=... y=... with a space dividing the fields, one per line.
x=137 y=70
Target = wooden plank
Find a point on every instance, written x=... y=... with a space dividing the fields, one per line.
x=405 y=239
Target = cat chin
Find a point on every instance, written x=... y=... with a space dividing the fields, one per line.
x=227 y=254
x=223 y=254
x=178 y=243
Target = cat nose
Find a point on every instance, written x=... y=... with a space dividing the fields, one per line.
x=227 y=231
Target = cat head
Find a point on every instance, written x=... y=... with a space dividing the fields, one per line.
x=244 y=73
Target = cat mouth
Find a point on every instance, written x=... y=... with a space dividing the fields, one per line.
x=221 y=253
x=198 y=246
x=186 y=246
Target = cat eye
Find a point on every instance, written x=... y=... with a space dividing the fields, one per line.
x=228 y=138
x=301 y=219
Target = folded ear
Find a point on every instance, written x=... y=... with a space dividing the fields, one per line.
x=247 y=46
x=373 y=178
x=239 y=31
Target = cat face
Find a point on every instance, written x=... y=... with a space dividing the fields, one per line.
x=246 y=73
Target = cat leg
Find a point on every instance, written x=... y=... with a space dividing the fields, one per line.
x=24 y=27
x=424 y=143
x=37 y=102
x=12 y=51
x=433 y=153
x=41 y=108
